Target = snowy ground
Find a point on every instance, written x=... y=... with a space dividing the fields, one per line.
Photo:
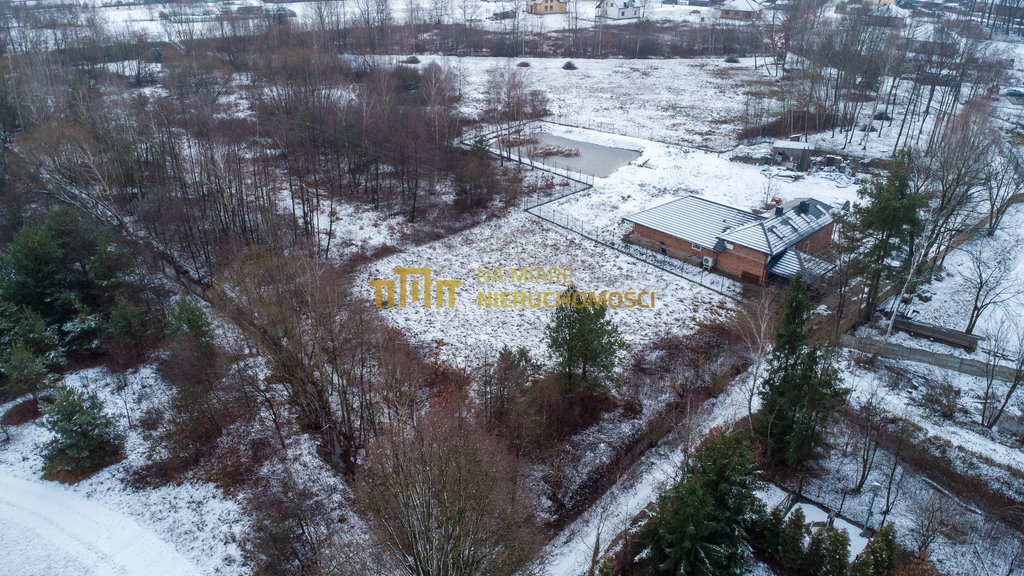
x=100 y=526
x=643 y=98
x=661 y=173
x=951 y=301
x=145 y=17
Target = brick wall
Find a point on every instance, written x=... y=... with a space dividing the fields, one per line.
x=744 y=264
x=740 y=263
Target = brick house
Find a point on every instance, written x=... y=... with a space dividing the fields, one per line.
x=738 y=243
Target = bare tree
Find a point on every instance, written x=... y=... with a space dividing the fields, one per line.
x=987 y=278
x=756 y=320
x=935 y=515
x=1004 y=341
x=1004 y=181
x=445 y=499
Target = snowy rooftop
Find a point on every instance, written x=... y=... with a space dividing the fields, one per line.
x=791 y=223
x=742 y=6
x=792 y=262
x=693 y=218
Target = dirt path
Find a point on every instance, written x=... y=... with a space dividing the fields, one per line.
x=46 y=528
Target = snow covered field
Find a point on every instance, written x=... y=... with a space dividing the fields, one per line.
x=662 y=172
x=102 y=527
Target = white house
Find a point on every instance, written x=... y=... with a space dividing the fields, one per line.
x=620 y=9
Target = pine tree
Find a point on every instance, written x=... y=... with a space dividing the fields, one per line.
x=835 y=558
x=888 y=222
x=584 y=342
x=23 y=372
x=85 y=438
x=699 y=527
x=791 y=541
x=186 y=318
x=801 y=389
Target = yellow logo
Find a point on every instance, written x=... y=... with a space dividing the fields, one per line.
x=414 y=285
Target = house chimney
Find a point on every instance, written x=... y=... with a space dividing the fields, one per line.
x=804 y=206
x=779 y=210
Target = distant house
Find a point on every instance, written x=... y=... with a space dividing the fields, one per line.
x=794 y=154
x=545 y=7
x=737 y=243
x=619 y=9
x=878 y=2
x=741 y=10
x=888 y=16
x=701 y=2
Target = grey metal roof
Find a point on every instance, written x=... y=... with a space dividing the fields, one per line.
x=792 y=261
x=774 y=235
x=693 y=219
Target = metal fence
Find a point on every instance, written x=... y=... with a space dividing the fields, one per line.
x=610 y=238
x=539 y=204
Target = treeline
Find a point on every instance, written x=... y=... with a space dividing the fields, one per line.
x=858 y=77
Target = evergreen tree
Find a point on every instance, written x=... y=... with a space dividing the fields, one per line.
x=188 y=318
x=888 y=222
x=828 y=553
x=791 y=541
x=879 y=556
x=23 y=372
x=771 y=532
x=801 y=389
x=33 y=275
x=85 y=438
x=584 y=342
x=699 y=527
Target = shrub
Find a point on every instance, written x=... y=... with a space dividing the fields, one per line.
x=732 y=60
x=23 y=372
x=186 y=317
x=411 y=60
x=569 y=66
x=523 y=64
x=943 y=398
x=85 y=439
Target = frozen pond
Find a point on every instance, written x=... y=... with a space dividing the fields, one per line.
x=593 y=159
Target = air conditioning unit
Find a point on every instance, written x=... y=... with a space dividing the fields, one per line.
x=708 y=262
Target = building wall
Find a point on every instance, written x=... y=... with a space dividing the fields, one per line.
x=739 y=262
x=674 y=246
x=547 y=7
x=735 y=14
x=744 y=264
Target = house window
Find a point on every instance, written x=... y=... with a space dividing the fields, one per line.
x=729 y=246
x=696 y=247
x=622 y=12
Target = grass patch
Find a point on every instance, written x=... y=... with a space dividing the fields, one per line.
x=21 y=413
